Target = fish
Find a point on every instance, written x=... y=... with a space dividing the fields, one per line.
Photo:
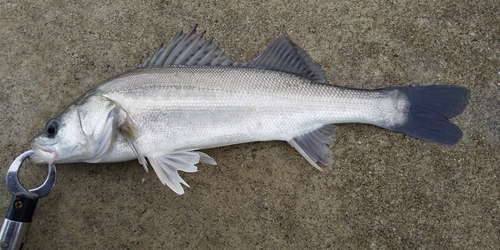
x=189 y=95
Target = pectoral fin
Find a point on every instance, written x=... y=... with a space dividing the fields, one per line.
x=127 y=130
x=312 y=146
x=166 y=167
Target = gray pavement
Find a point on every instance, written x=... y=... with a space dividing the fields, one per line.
x=386 y=190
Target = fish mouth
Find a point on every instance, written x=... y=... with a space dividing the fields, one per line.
x=43 y=154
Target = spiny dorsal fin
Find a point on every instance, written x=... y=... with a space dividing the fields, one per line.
x=189 y=49
x=285 y=55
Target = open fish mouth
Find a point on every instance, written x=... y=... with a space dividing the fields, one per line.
x=43 y=154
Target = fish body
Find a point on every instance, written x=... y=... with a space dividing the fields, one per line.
x=189 y=96
x=188 y=108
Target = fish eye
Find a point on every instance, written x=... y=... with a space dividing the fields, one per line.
x=52 y=127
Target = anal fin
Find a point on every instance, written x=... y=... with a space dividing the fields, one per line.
x=312 y=146
x=167 y=167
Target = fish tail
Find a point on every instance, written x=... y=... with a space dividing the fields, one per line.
x=428 y=111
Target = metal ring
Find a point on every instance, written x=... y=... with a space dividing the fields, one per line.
x=15 y=186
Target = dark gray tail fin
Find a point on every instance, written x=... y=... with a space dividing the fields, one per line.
x=430 y=109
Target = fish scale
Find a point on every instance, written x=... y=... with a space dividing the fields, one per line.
x=247 y=97
x=189 y=96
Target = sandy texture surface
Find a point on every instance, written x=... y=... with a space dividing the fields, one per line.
x=386 y=191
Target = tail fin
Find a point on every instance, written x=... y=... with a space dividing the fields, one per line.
x=430 y=109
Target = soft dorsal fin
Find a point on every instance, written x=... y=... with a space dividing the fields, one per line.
x=285 y=55
x=189 y=49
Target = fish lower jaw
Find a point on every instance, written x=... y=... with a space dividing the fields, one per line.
x=42 y=155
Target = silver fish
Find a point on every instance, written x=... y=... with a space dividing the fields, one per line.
x=189 y=95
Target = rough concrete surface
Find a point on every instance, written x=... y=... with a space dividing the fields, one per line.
x=386 y=190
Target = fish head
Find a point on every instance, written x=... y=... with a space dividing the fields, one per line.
x=61 y=140
x=83 y=132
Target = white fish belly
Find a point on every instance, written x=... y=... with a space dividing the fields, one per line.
x=184 y=108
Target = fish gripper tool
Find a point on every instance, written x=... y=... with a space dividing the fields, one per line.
x=23 y=203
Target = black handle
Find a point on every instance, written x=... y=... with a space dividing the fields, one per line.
x=21 y=208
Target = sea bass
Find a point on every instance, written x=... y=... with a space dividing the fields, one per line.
x=189 y=96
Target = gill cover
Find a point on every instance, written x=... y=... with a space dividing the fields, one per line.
x=99 y=118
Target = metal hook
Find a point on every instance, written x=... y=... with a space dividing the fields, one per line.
x=15 y=186
x=23 y=203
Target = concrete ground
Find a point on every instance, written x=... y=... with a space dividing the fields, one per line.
x=386 y=190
